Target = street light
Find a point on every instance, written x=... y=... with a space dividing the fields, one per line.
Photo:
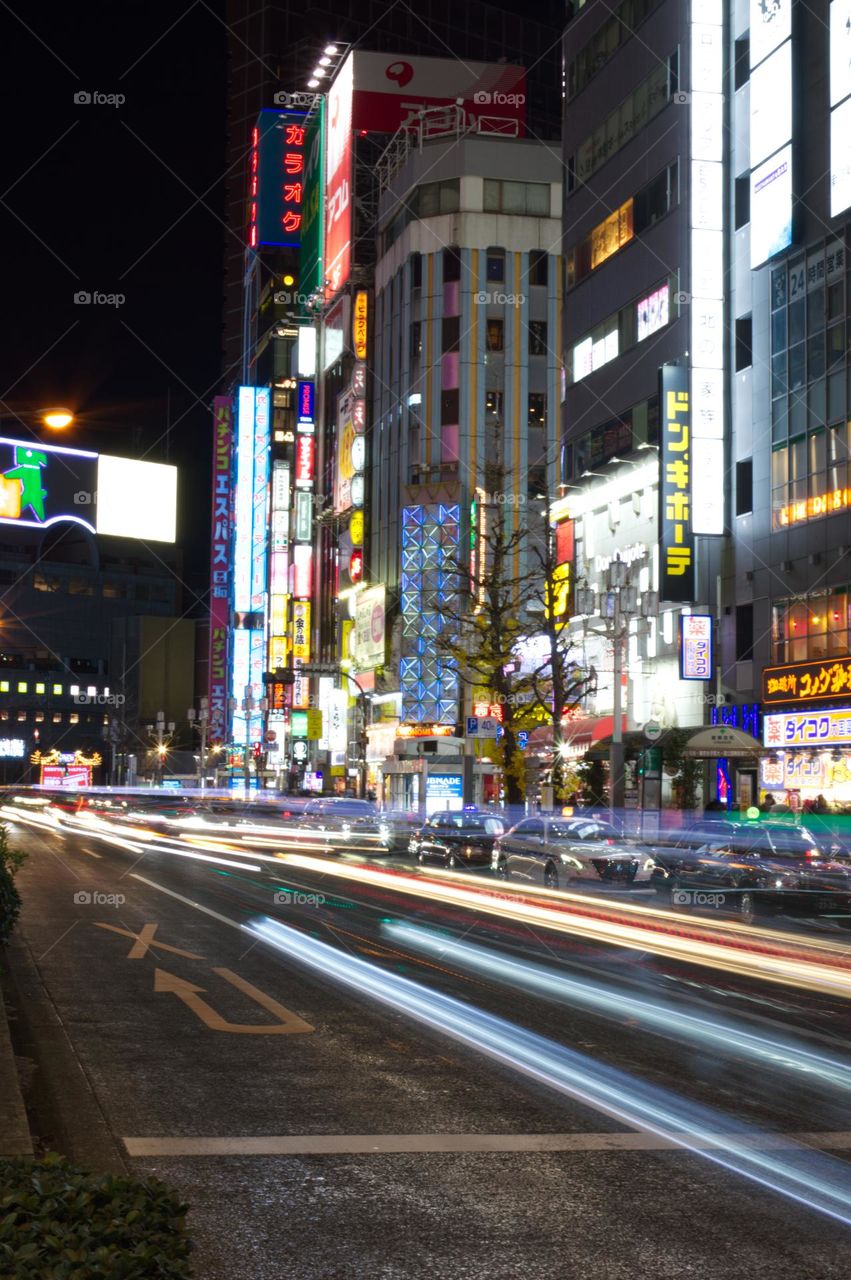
x=57 y=419
x=615 y=609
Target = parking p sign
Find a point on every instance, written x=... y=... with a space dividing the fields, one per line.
x=482 y=727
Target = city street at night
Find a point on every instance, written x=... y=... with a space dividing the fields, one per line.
x=323 y=1078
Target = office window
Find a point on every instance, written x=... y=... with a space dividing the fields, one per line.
x=537 y=337
x=57 y=688
x=38 y=717
x=22 y=715
x=493 y=406
x=495 y=266
x=744 y=343
x=74 y=690
x=451 y=333
x=742 y=62
x=22 y=686
x=537 y=409
x=539 y=261
x=74 y=717
x=449 y=407
x=451 y=265
x=744 y=487
x=742 y=212
x=529 y=198
x=57 y=717
x=495 y=335
x=4 y=686
x=744 y=632
x=4 y=715
x=39 y=688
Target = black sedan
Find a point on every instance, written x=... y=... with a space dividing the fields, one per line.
x=457 y=839
x=557 y=851
x=760 y=871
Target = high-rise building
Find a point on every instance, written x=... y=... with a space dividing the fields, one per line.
x=274 y=46
x=466 y=400
x=706 y=226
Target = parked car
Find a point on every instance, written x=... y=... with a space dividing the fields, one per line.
x=555 y=851
x=756 y=870
x=457 y=839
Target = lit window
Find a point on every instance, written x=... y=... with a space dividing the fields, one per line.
x=22 y=686
x=22 y=715
x=39 y=716
x=40 y=688
x=74 y=690
x=57 y=717
x=74 y=718
x=106 y=720
x=4 y=686
x=91 y=691
x=4 y=715
x=57 y=688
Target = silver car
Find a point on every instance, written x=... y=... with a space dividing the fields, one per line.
x=556 y=851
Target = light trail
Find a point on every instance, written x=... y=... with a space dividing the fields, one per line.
x=753 y=953
x=803 y=1175
x=666 y=1019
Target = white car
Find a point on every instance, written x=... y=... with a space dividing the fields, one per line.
x=556 y=851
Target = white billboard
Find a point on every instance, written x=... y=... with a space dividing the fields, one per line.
x=771 y=207
x=771 y=104
x=840 y=51
x=771 y=24
x=136 y=499
x=840 y=158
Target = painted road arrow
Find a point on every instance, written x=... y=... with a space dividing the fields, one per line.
x=288 y=1023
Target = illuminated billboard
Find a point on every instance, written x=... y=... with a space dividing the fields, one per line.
x=771 y=104
x=313 y=223
x=696 y=655
x=840 y=158
x=276 y=180
x=389 y=91
x=808 y=728
x=370 y=628
x=770 y=25
x=338 y=182
x=704 y=410
x=676 y=543
x=41 y=485
x=219 y=567
x=840 y=51
x=771 y=207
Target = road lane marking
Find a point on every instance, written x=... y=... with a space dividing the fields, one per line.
x=144 y=940
x=457 y=1143
x=288 y=1023
x=189 y=902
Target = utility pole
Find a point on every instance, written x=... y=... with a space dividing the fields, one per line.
x=202 y=717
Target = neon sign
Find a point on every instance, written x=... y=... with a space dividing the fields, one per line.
x=696 y=657
x=276 y=180
x=808 y=728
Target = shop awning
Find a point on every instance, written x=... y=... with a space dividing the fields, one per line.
x=578 y=735
x=722 y=740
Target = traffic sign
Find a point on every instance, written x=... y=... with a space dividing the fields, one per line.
x=523 y=739
x=482 y=727
x=652 y=731
x=320 y=668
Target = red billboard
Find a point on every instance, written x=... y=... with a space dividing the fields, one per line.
x=389 y=91
x=338 y=182
x=219 y=565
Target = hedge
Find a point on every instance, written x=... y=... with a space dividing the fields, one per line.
x=58 y=1222
x=10 y=900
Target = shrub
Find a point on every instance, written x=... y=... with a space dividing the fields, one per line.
x=62 y=1223
x=10 y=901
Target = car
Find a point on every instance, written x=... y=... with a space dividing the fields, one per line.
x=357 y=823
x=555 y=851
x=457 y=839
x=760 y=870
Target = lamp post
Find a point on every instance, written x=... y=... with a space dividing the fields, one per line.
x=613 y=610
x=202 y=717
x=159 y=729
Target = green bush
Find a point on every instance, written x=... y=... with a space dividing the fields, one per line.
x=10 y=900
x=62 y=1223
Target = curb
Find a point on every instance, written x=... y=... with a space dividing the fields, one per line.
x=15 y=1139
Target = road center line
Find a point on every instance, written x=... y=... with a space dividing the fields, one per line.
x=189 y=902
x=322 y=1144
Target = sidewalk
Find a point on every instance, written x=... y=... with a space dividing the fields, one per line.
x=15 y=1137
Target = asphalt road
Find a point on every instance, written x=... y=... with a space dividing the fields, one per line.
x=325 y=1120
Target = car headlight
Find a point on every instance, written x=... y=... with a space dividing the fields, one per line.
x=568 y=861
x=469 y=850
x=383 y=829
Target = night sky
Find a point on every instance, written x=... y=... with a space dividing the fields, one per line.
x=105 y=198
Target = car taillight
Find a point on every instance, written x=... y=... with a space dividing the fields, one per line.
x=610 y=842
